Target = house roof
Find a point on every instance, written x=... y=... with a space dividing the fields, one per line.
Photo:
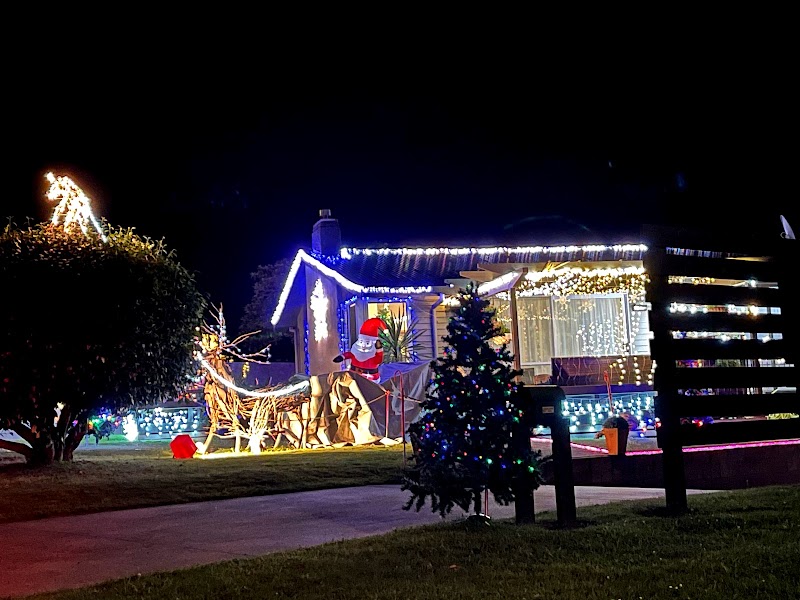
x=396 y=267
x=419 y=270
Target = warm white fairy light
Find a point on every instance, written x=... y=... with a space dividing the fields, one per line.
x=74 y=207
x=451 y=301
x=727 y=335
x=319 y=307
x=683 y=307
x=603 y=338
x=284 y=391
x=571 y=281
x=575 y=281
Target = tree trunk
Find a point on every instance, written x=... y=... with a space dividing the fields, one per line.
x=59 y=433
x=68 y=433
x=49 y=442
x=74 y=439
x=40 y=452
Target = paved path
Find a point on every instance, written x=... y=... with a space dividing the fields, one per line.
x=67 y=552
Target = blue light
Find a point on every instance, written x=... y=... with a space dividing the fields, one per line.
x=305 y=348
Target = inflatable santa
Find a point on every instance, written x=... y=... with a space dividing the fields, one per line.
x=366 y=354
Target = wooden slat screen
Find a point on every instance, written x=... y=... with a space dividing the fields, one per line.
x=693 y=279
x=724 y=323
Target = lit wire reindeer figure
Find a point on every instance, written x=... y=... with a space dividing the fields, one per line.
x=241 y=413
x=74 y=207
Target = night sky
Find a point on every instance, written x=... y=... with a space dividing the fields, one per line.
x=231 y=168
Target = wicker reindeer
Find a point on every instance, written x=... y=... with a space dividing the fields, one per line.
x=235 y=412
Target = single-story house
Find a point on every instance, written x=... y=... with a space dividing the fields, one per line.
x=574 y=315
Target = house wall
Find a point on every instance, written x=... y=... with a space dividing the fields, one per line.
x=442 y=316
x=324 y=321
x=299 y=351
x=427 y=345
x=641 y=341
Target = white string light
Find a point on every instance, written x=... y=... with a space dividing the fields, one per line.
x=73 y=205
x=499 y=283
x=302 y=256
x=319 y=306
x=348 y=253
x=285 y=391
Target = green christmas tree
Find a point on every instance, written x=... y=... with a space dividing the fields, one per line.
x=463 y=439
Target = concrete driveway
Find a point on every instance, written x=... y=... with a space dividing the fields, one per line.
x=68 y=552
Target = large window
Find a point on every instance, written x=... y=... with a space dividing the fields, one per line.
x=534 y=317
x=373 y=309
x=380 y=309
x=591 y=325
x=396 y=314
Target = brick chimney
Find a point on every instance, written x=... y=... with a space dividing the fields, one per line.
x=326 y=237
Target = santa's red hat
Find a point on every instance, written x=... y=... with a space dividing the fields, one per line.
x=371 y=327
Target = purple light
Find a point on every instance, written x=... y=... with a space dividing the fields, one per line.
x=594 y=449
x=597 y=450
x=743 y=445
x=723 y=447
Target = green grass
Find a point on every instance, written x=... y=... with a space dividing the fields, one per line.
x=118 y=476
x=732 y=545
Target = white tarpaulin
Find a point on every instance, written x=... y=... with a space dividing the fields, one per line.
x=346 y=408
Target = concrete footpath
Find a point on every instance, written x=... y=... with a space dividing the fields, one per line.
x=68 y=552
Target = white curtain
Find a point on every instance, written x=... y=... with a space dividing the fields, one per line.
x=589 y=325
x=535 y=330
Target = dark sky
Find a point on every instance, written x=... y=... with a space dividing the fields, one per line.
x=232 y=167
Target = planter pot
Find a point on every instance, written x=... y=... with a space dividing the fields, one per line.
x=616 y=441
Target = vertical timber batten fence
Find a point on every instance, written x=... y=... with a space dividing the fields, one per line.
x=724 y=323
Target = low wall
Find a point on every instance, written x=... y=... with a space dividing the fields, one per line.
x=727 y=469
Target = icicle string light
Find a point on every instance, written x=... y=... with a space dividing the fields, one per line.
x=348 y=253
x=578 y=281
x=73 y=208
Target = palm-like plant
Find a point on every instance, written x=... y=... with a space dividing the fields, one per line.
x=399 y=342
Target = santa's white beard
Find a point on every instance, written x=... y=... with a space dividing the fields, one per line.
x=361 y=355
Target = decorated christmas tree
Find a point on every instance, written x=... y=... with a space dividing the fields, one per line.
x=463 y=439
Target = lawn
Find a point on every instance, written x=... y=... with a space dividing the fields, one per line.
x=112 y=476
x=731 y=545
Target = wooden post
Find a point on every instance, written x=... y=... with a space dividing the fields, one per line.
x=512 y=294
x=304 y=420
x=672 y=457
x=562 y=469
x=399 y=374
x=543 y=406
x=524 y=508
x=388 y=407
